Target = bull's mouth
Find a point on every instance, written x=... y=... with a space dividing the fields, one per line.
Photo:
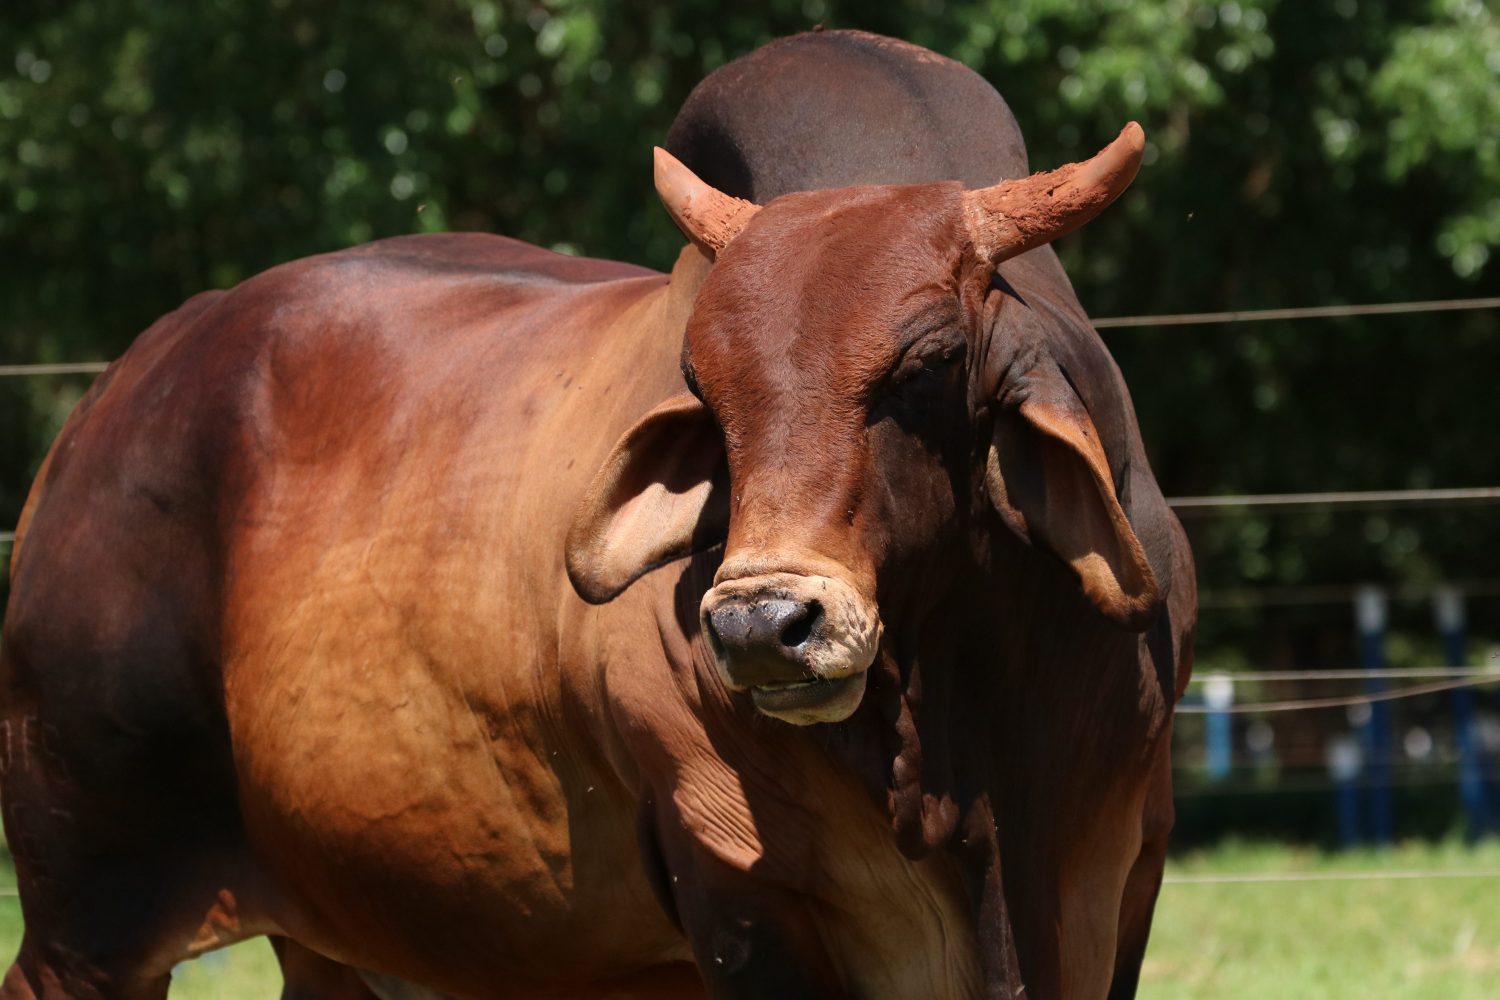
x=810 y=700
x=799 y=644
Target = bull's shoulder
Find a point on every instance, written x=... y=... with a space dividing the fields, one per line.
x=322 y=352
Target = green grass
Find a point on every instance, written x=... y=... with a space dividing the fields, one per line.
x=247 y=971
x=1412 y=940
x=1422 y=939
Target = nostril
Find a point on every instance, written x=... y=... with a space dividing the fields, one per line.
x=714 y=623
x=775 y=626
x=800 y=628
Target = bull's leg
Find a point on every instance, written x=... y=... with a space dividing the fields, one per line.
x=1144 y=881
x=1135 y=919
x=310 y=976
x=84 y=918
x=125 y=845
x=50 y=972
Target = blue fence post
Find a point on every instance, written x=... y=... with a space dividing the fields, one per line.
x=1370 y=616
x=1218 y=694
x=1344 y=764
x=1448 y=613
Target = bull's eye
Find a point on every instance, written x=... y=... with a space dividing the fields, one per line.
x=929 y=360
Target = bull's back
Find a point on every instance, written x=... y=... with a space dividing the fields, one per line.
x=307 y=535
x=330 y=372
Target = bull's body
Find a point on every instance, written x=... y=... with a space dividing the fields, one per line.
x=291 y=650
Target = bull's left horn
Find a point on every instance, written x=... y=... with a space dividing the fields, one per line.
x=706 y=215
x=1015 y=216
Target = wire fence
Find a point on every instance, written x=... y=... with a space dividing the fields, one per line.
x=1246 y=878
x=1303 y=779
x=1101 y=323
x=1201 y=505
x=1271 y=878
x=1341 y=701
x=64 y=368
x=1344 y=674
x=1301 y=784
x=1336 y=593
x=1297 y=313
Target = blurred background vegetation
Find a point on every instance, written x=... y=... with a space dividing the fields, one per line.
x=1344 y=151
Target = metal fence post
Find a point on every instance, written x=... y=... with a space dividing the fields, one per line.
x=1345 y=761
x=1218 y=694
x=1448 y=613
x=1370 y=616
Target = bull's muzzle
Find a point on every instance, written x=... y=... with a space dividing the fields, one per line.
x=801 y=645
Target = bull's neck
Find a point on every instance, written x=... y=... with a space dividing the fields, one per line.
x=681 y=291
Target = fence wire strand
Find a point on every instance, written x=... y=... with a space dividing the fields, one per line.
x=1254 y=878
x=1102 y=323
x=1192 y=506
x=1302 y=312
x=1341 y=674
x=1245 y=878
x=1344 y=701
x=63 y=368
x=1449 y=678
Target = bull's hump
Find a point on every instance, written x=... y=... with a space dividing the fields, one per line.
x=838 y=108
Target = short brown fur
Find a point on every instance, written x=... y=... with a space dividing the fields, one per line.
x=292 y=650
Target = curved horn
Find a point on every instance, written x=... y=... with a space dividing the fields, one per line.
x=706 y=215
x=1015 y=216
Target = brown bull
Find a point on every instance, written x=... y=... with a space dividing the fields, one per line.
x=292 y=648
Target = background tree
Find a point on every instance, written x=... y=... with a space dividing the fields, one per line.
x=1300 y=154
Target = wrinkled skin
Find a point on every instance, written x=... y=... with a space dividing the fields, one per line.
x=897 y=431
x=291 y=648
x=839 y=108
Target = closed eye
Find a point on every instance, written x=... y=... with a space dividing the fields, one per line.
x=924 y=392
x=933 y=355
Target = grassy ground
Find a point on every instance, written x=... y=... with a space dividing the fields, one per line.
x=1412 y=939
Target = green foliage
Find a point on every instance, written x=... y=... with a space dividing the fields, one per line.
x=1299 y=153
x=1441 y=87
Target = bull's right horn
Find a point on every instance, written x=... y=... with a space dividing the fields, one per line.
x=1018 y=215
x=706 y=215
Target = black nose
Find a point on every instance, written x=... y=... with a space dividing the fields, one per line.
x=775 y=626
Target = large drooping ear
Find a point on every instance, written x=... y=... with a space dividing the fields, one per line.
x=661 y=494
x=1048 y=477
x=706 y=215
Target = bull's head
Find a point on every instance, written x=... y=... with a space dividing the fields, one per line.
x=845 y=355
